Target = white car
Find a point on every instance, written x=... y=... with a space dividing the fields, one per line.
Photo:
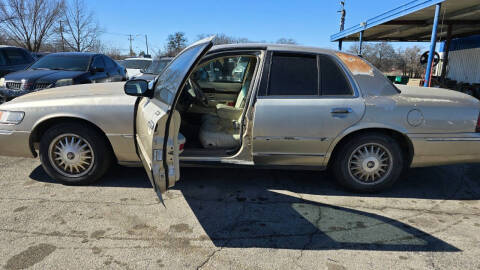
x=135 y=65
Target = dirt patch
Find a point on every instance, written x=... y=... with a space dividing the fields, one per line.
x=30 y=256
x=97 y=234
x=19 y=209
x=182 y=227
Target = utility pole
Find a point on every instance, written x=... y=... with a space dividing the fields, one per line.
x=61 y=35
x=342 y=22
x=146 y=43
x=130 y=38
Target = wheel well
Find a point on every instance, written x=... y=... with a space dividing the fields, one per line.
x=404 y=142
x=40 y=129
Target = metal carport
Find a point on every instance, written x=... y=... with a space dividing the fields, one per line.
x=418 y=20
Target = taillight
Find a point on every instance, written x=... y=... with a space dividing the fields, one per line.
x=477 y=128
x=180 y=148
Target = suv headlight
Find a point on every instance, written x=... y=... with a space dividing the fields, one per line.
x=2 y=82
x=9 y=117
x=63 y=82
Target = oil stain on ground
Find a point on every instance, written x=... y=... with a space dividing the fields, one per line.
x=30 y=256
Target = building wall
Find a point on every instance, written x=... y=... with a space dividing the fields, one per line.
x=464 y=59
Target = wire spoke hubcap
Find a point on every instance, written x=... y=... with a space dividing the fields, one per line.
x=71 y=155
x=370 y=163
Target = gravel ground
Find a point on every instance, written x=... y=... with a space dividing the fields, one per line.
x=238 y=219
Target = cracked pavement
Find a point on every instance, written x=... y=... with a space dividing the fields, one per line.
x=238 y=219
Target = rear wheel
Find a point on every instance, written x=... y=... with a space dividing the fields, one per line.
x=368 y=163
x=74 y=153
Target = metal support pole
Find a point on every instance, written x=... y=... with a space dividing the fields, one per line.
x=447 y=50
x=433 y=43
x=340 y=45
x=360 y=43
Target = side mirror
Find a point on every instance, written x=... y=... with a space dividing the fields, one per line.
x=97 y=69
x=137 y=88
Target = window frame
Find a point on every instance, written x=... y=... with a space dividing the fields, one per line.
x=264 y=84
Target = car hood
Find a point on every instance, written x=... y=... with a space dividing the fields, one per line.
x=110 y=90
x=416 y=94
x=32 y=75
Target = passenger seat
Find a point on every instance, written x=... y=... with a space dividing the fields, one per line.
x=223 y=129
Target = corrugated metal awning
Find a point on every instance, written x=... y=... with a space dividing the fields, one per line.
x=413 y=22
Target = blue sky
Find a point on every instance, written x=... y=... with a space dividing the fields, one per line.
x=309 y=22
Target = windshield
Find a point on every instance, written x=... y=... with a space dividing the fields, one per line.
x=137 y=63
x=63 y=62
x=157 y=66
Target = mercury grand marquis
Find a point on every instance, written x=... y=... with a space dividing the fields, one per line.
x=246 y=104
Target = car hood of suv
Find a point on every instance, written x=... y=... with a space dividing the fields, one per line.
x=47 y=75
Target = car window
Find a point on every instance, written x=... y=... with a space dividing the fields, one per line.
x=137 y=63
x=98 y=62
x=62 y=62
x=170 y=79
x=109 y=62
x=157 y=66
x=17 y=56
x=225 y=69
x=333 y=81
x=293 y=74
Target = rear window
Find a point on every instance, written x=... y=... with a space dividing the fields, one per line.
x=17 y=56
x=292 y=74
x=137 y=64
x=63 y=62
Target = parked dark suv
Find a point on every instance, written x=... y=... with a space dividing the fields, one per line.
x=61 y=69
x=13 y=59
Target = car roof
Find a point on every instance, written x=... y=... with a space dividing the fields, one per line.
x=270 y=47
x=89 y=54
x=138 y=58
x=10 y=46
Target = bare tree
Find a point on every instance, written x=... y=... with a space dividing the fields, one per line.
x=221 y=38
x=381 y=55
x=30 y=22
x=176 y=42
x=286 y=41
x=78 y=28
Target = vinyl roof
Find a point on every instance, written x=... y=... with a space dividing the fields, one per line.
x=413 y=21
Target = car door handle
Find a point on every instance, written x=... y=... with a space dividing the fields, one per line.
x=340 y=110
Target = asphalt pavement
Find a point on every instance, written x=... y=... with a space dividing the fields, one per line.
x=238 y=219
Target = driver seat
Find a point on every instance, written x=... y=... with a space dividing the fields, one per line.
x=223 y=129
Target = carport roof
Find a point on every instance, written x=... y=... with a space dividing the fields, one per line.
x=413 y=21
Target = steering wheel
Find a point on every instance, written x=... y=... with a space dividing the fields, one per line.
x=198 y=92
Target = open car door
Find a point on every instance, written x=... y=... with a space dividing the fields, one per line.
x=157 y=125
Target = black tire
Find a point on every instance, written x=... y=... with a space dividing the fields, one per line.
x=101 y=153
x=345 y=175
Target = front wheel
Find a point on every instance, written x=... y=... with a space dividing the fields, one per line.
x=368 y=163
x=74 y=153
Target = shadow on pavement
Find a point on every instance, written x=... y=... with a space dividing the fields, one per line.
x=251 y=208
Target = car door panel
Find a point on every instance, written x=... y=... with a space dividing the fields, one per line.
x=298 y=131
x=158 y=126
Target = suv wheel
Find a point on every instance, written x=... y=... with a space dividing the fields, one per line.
x=74 y=154
x=369 y=163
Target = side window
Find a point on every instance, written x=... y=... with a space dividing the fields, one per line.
x=98 y=62
x=17 y=56
x=109 y=63
x=333 y=81
x=293 y=74
x=226 y=69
